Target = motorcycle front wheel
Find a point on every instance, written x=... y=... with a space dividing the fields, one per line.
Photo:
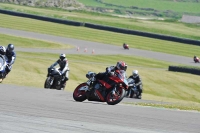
x=80 y=95
x=116 y=97
x=47 y=83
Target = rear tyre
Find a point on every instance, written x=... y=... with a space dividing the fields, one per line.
x=139 y=97
x=132 y=94
x=80 y=95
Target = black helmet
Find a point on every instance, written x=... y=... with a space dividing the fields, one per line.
x=10 y=48
x=62 y=56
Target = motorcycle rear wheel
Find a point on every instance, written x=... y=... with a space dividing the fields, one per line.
x=113 y=99
x=132 y=94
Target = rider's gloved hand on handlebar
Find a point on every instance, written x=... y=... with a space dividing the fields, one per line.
x=112 y=73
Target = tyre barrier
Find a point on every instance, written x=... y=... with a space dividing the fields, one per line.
x=191 y=70
x=60 y=21
x=145 y=34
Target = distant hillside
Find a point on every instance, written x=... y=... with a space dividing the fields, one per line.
x=64 y=4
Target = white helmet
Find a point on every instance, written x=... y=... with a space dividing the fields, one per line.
x=62 y=56
x=2 y=50
x=135 y=73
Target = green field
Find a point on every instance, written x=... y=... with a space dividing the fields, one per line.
x=160 y=27
x=161 y=5
x=147 y=8
x=98 y=36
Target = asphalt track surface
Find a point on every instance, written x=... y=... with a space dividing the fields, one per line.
x=36 y=110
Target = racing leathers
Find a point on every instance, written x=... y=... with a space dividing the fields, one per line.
x=109 y=71
x=10 y=58
x=138 y=83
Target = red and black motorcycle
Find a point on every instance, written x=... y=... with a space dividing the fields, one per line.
x=110 y=89
x=125 y=46
x=196 y=60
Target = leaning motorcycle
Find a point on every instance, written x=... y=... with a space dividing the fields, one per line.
x=132 y=90
x=126 y=46
x=196 y=60
x=110 y=89
x=54 y=79
x=3 y=64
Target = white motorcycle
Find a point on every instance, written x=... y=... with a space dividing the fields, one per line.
x=3 y=63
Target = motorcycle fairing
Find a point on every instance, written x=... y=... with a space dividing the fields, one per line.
x=99 y=95
x=104 y=83
x=55 y=72
x=2 y=66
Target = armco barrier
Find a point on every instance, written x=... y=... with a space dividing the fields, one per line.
x=67 y=22
x=107 y=28
x=195 y=71
x=145 y=34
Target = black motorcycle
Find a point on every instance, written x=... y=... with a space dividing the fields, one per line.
x=54 y=79
x=132 y=89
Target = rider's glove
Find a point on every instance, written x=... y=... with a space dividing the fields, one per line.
x=112 y=73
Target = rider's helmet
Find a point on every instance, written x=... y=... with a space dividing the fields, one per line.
x=121 y=65
x=2 y=50
x=10 y=48
x=135 y=73
x=62 y=57
x=195 y=56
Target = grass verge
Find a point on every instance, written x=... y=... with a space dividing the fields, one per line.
x=192 y=107
x=30 y=43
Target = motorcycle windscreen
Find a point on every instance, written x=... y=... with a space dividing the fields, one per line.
x=1 y=63
x=130 y=81
x=121 y=77
x=55 y=72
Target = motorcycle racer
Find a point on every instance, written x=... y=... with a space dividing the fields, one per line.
x=121 y=65
x=64 y=69
x=196 y=59
x=138 y=82
x=10 y=57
